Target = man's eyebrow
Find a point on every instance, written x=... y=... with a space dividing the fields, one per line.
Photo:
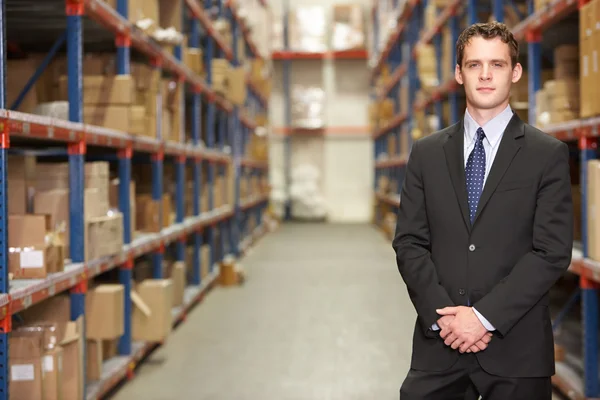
x=495 y=60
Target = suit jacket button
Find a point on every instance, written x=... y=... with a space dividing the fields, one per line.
x=472 y=247
x=461 y=292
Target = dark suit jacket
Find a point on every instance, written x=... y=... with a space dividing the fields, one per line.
x=505 y=263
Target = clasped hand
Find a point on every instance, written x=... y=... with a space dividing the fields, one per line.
x=462 y=330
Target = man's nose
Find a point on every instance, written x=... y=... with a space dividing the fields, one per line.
x=485 y=73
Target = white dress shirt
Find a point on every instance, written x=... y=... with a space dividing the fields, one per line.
x=493 y=129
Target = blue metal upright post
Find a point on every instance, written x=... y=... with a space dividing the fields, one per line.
x=453 y=97
x=5 y=324
x=210 y=137
x=157 y=194
x=74 y=11
x=236 y=143
x=287 y=151
x=498 y=6
x=195 y=131
x=472 y=12
x=180 y=161
x=413 y=79
x=125 y=271
x=534 y=55
x=589 y=289
x=439 y=109
x=179 y=202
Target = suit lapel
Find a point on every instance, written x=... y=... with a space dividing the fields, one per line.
x=454 y=150
x=508 y=148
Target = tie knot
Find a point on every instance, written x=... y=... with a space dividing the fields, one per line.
x=480 y=134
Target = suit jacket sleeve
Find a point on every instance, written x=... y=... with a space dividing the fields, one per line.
x=537 y=271
x=412 y=246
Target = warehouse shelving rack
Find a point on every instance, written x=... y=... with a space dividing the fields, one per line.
x=584 y=131
x=287 y=56
x=236 y=125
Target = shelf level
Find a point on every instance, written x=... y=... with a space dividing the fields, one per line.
x=26 y=292
x=544 y=18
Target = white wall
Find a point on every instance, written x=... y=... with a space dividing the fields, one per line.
x=345 y=153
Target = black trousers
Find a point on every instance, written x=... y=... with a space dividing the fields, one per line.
x=466 y=380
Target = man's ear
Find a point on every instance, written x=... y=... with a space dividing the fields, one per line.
x=517 y=73
x=457 y=74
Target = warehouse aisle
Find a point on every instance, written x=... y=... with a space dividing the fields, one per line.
x=323 y=315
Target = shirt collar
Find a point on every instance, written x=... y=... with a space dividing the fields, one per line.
x=493 y=129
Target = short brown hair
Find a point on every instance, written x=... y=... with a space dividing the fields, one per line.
x=488 y=30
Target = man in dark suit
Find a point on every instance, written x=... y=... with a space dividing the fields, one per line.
x=485 y=229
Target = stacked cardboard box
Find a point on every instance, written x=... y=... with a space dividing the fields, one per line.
x=172 y=95
x=593 y=209
x=34 y=249
x=177 y=274
x=106 y=100
x=151 y=317
x=562 y=99
x=143 y=13
x=427 y=67
x=236 y=85
x=566 y=62
x=447 y=51
x=46 y=353
x=114 y=201
x=147 y=100
x=103 y=227
x=386 y=111
x=540 y=4
x=104 y=308
x=307 y=29
x=18 y=181
x=348 y=32
x=589 y=60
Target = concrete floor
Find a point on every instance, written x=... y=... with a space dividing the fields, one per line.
x=323 y=315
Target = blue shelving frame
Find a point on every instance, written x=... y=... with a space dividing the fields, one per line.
x=398 y=54
x=226 y=125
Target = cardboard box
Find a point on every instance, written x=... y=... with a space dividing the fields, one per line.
x=113 y=199
x=593 y=210
x=110 y=349
x=167 y=210
x=52 y=369
x=25 y=360
x=104 y=310
x=228 y=275
x=140 y=9
x=27 y=246
x=17 y=196
x=193 y=59
x=152 y=320
x=148 y=216
x=219 y=67
x=204 y=261
x=104 y=235
x=72 y=344
x=236 y=85
x=102 y=89
x=110 y=117
x=145 y=77
x=94 y=359
x=179 y=282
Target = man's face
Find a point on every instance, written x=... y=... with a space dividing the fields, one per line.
x=486 y=73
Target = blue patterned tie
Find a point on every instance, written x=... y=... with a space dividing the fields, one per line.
x=475 y=172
